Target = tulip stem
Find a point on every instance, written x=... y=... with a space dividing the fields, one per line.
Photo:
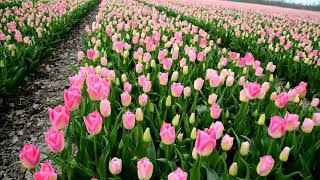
x=167 y=151
x=95 y=151
x=194 y=101
x=270 y=146
x=301 y=142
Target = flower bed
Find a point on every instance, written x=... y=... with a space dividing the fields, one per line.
x=28 y=34
x=155 y=98
x=287 y=38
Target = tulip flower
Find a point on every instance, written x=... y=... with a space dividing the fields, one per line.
x=46 y=172
x=93 y=122
x=115 y=166
x=226 y=142
x=145 y=169
x=277 y=127
x=265 y=165
x=178 y=174
x=55 y=140
x=29 y=156
x=72 y=98
x=205 y=142
x=59 y=117
x=167 y=133
x=128 y=120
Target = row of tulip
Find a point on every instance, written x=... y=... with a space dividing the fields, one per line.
x=291 y=42
x=156 y=98
x=28 y=33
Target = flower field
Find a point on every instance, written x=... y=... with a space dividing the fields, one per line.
x=28 y=33
x=174 y=90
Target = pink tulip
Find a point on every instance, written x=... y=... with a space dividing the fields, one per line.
x=125 y=99
x=315 y=102
x=178 y=174
x=183 y=62
x=147 y=85
x=143 y=99
x=218 y=128
x=128 y=120
x=205 y=142
x=316 y=118
x=265 y=165
x=226 y=142
x=80 y=55
x=105 y=108
x=252 y=90
x=186 y=91
x=77 y=81
x=145 y=169
x=167 y=62
x=292 y=121
x=281 y=99
x=139 y=68
x=215 y=80
x=104 y=61
x=46 y=172
x=192 y=55
x=198 y=83
x=93 y=122
x=91 y=53
x=215 y=111
x=167 y=133
x=29 y=156
x=307 y=125
x=141 y=80
x=72 y=98
x=212 y=98
x=176 y=89
x=277 y=127
x=229 y=81
x=115 y=166
x=59 y=117
x=127 y=87
x=55 y=140
x=163 y=78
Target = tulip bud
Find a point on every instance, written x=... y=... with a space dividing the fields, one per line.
x=174 y=76
x=180 y=137
x=153 y=63
x=168 y=101
x=233 y=170
x=255 y=113
x=193 y=135
x=262 y=119
x=284 y=154
x=271 y=78
x=307 y=125
x=315 y=102
x=117 y=82
x=245 y=70
x=227 y=114
x=288 y=85
x=226 y=142
x=147 y=135
x=124 y=78
x=194 y=154
x=244 y=149
x=139 y=114
x=176 y=120
x=192 y=118
x=115 y=166
x=185 y=70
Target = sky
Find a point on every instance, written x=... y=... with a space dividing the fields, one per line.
x=304 y=2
